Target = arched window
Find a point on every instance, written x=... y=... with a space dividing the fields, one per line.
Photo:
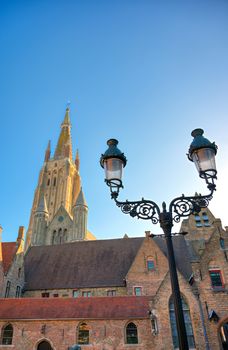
x=83 y=334
x=188 y=324
x=131 y=334
x=65 y=235
x=60 y=236
x=18 y=292
x=7 y=289
x=7 y=334
x=44 y=345
x=54 y=237
x=54 y=182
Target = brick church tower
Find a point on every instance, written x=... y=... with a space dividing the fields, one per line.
x=59 y=210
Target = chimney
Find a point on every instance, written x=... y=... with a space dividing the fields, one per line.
x=147 y=234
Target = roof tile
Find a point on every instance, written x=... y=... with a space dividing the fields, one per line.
x=124 y=307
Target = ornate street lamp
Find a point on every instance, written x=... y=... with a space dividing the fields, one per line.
x=202 y=152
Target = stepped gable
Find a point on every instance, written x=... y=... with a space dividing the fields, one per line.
x=8 y=252
x=75 y=308
x=181 y=252
x=81 y=264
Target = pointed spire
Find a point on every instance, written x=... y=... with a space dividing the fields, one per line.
x=64 y=146
x=77 y=160
x=48 y=151
x=66 y=121
x=42 y=206
x=81 y=199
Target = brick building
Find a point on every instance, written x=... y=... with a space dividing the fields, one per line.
x=65 y=287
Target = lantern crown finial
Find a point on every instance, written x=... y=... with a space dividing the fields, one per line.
x=113 y=152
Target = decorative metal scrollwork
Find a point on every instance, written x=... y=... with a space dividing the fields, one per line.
x=146 y=210
x=185 y=206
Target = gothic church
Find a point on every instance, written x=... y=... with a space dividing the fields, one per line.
x=62 y=289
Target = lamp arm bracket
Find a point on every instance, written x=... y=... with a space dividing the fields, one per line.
x=144 y=209
x=185 y=206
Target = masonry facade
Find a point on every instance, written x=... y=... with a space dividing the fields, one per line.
x=63 y=287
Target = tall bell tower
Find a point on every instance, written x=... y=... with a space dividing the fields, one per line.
x=58 y=188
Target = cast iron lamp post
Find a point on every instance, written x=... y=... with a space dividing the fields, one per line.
x=202 y=152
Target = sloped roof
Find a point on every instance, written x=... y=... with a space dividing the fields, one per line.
x=126 y=307
x=8 y=251
x=181 y=253
x=82 y=264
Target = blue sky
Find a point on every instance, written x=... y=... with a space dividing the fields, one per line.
x=144 y=72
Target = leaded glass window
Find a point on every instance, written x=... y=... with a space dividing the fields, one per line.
x=83 y=334
x=131 y=334
x=7 y=335
x=187 y=321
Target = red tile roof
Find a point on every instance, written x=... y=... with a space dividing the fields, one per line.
x=8 y=251
x=125 y=307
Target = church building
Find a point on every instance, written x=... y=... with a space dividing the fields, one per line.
x=63 y=289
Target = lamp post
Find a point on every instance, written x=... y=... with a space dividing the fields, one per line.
x=202 y=152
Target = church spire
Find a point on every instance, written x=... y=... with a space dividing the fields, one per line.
x=64 y=146
x=48 y=151
x=77 y=161
x=81 y=199
x=42 y=205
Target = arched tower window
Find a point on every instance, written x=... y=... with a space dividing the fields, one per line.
x=131 y=333
x=188 y=324
x=54 y=237
x=83 y=333
x=44 y=345
x=60 y=236
x=7 y=289
x=65 y=235
x=7 y=335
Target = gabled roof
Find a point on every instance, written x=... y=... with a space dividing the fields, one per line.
x=74 y=308
x=181 y=253
x=82 y=264
x=8 y=252
x=87 y=264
